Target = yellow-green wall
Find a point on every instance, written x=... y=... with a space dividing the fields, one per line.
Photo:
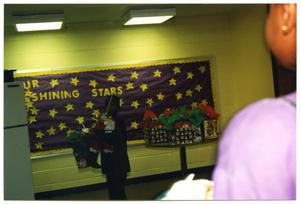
x=242 y=73
x=250 y=56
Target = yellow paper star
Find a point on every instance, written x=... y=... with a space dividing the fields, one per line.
x=129 y=86
x=178 y=96
x=93 y=83
x=74 y=81
x=157 y=73
x=51 y=131
x=34 y=111
x=194 y=105
x=202 y=69
x=134 y=125
x=144 y=87
x=149 y=101
x=69 y=132
x=39 y=134
x=204 y=101
x=28 y=94
x=31 y=119
x=52 y=112
x=89 y=105
x=27 y=99
x=28 y=104
x=172 y=82
x=189 y=93
x=80 y=120
x=190 y=75
x=134 y=75
x=160 y=96
x=39 y=145
x=111 y=77
x=62 y=126
x=54 y=82
x=198 y=88
x=176 y=70
x=135 y=104
x=69 y=107
x=96 y=113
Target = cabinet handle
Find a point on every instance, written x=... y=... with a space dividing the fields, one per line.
x=13 y=85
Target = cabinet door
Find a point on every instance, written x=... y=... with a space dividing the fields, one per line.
x=17 y=165
x=14 y=104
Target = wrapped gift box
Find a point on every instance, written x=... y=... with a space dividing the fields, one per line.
x=156 y=134
x=210 y=129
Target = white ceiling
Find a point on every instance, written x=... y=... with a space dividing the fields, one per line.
x=76 y=13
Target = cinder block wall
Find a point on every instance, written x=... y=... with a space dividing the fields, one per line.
x=242 y=73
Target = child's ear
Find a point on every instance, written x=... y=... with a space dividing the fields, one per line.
x=288 y=13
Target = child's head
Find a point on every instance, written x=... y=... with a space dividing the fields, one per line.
x=280 y=32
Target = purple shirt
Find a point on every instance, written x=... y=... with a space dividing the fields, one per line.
x=257 y=153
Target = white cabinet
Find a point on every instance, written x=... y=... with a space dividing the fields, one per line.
x=17 y=163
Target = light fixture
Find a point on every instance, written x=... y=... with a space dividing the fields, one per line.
x=148 y=16
x=38 y=22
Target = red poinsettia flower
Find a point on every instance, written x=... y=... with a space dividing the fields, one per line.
x=149 y=115
x=209 y=111
x=168 y=111
x=181 y=124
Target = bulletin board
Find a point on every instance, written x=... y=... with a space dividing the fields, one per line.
x=60 y=101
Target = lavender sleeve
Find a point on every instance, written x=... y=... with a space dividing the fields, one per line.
x=257 y=153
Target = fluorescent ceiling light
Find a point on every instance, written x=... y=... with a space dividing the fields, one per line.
x=23 y=27
x=148 y=16
x=38 y=22
x=147 y=20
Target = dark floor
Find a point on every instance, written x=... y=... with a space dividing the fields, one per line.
x=146 y=188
